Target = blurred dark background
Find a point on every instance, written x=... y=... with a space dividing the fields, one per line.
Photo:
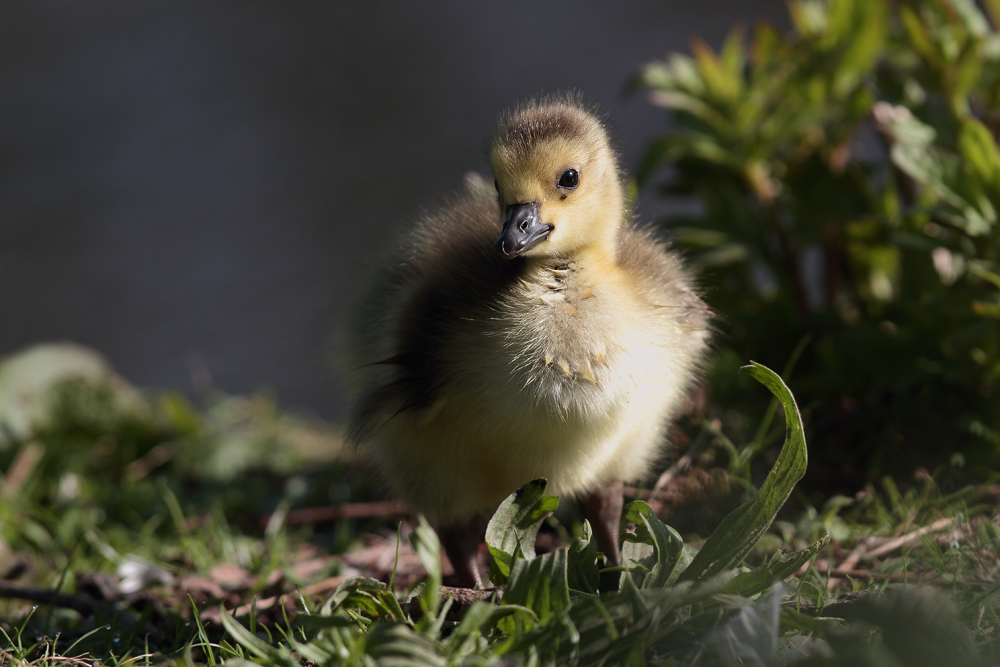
x=193 y=186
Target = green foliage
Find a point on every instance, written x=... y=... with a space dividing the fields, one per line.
x=671 y=608
x=581 y=576
x=540 y=584
x=655 y=546
x=849 y=180
x=512 y=530
x=740 y=531
x=90 y=444
x=425 y=542
x=676 y=603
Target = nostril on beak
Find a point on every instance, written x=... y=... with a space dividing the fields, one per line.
x=523 y=226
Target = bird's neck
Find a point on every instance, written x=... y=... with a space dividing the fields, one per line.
x=593 y=264
x=597 y=261
x=600 y=255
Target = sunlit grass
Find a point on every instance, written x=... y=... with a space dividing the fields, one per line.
x=193 y=566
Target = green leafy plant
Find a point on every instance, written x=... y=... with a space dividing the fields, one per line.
x=512 y=529
x=136 y=592
x=676 y=604
x=542 y=617
x=848 y=177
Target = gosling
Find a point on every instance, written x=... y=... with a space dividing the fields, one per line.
x=531 y=334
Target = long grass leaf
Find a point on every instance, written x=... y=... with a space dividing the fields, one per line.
x=743 y=527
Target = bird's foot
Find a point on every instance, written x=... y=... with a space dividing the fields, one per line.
x=603 y=508
x=461 y=543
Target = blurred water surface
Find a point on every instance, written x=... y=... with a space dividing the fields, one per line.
x=195 y=185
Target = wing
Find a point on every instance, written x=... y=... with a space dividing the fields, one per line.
x=445 y=277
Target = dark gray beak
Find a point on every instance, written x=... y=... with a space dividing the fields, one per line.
x=521 y=230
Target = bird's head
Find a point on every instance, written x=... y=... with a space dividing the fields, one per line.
x=557 y=182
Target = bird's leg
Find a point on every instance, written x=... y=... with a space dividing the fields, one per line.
x=461 y=543
x=603 y=508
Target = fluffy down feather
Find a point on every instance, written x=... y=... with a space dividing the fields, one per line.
x=471 y=374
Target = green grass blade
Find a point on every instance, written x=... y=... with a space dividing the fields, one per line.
x=668 y=547
x=512 y=530
x=759 y=440
x=254 y=644
x=540 y=584
x=397 y=644
x=201 y=632
x=743 y=527
x=428 y=549
x=781 y=566
x=583 y=573
x=72 y=646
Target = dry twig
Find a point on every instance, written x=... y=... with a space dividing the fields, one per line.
x=382 y=508
x=81 y=604
x=903 y=540
x=678 y=468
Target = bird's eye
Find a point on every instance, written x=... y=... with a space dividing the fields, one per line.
x=569 y=179
x=496 y=184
